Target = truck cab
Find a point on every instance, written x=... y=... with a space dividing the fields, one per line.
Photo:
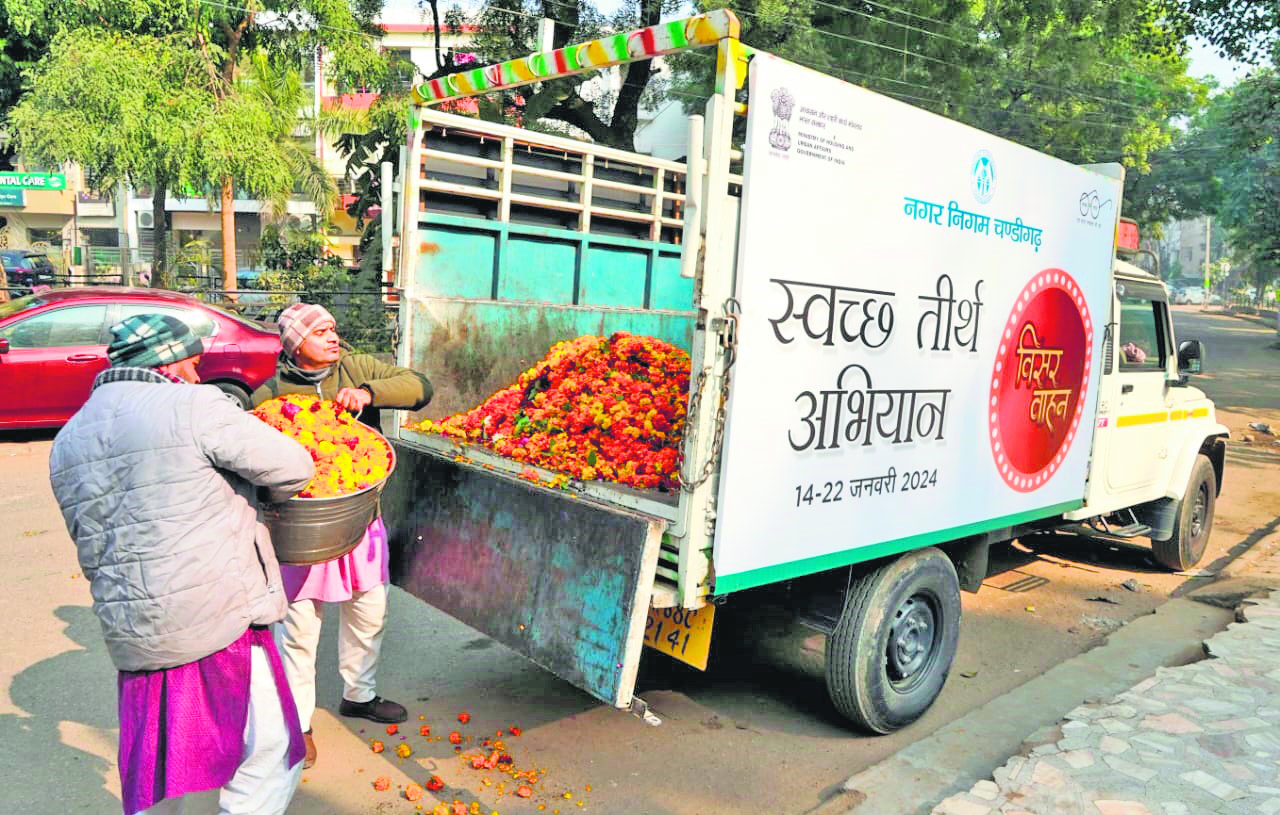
x=1158 y=450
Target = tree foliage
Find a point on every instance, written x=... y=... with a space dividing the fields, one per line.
x=125 y=107
x=1244 y=30
x=297 y=261
x=18 y=52
x=1085 y=80
x=1241 y=136
x=247 y=57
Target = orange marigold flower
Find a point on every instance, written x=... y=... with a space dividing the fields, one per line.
x=348 y=456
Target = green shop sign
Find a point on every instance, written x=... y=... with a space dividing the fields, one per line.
x=32 y=181
x=10 y=197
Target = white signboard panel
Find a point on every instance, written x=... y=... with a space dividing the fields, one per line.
x=920 y=337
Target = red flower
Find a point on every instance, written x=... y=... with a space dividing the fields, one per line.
x=593 y=408
x=435 y=784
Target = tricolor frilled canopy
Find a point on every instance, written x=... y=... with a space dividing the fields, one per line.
x=594 y=408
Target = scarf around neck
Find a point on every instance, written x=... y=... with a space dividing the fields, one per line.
x=292 y=371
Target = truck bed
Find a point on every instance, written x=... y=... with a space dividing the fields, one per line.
x=662 y=505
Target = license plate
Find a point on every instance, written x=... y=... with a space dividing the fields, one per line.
x=681 y=633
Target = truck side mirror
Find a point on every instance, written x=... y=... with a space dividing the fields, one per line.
x=1190 y=357
x=4 y=346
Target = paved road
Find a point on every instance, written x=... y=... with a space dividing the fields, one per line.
x=754 y=734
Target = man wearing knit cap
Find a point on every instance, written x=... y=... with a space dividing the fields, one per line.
x=157 y=478
x=313 y=362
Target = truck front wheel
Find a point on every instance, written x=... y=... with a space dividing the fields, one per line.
x=1186 y=546
x=892 y=648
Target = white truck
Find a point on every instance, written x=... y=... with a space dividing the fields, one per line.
x=909 y=340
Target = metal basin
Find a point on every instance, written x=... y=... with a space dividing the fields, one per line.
x=307 y=531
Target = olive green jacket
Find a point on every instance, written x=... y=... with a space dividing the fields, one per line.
x=391 y=386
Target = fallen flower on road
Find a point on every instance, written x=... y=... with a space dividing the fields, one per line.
x=464 y=717
x=404 y=751
x=455 y=737
x=392 y=729
x=376 y=747
x=425 y=730
x=382 y=783
x=525 y=792
x=435 y=784
x=413 y=792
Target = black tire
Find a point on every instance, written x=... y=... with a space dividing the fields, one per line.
x=891 y=651
x=1186 y=546
x=236 y=391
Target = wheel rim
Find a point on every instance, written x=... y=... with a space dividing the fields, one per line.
x=1199 y=510
x=914 y=636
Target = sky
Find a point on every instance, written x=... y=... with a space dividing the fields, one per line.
x=1204 y=62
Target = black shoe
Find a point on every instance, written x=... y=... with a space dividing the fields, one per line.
x=376 y=709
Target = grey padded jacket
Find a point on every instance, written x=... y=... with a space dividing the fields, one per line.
x=156 y=485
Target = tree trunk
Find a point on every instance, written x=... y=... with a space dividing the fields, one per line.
x=160 y=278
x=228 y=235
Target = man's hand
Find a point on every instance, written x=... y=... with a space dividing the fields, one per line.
x=353 y=399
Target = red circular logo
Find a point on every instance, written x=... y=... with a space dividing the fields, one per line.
x=1040 y=380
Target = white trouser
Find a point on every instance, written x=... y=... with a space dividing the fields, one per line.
x=264 y=783
x=361 y=622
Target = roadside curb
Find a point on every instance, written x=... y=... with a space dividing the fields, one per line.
x=1193 y=738
x=951 y=760
x=1268 y=320
x=954 y=758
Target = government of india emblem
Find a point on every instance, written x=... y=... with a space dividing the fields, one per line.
x=783 y=103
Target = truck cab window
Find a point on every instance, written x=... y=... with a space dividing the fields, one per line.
x=1142 y=345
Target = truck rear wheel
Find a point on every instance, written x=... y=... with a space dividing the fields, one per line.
x=892 y=648
x=1186 y=546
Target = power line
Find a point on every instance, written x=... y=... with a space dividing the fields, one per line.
x=967 y=43
x=926 y=57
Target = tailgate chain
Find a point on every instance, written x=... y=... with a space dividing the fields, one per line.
x=727 y=328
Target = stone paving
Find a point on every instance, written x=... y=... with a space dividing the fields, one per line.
x=1198 y=738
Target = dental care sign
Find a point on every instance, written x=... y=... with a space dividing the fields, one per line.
x=920 y=336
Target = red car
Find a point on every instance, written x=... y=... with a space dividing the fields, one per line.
x=52 y=345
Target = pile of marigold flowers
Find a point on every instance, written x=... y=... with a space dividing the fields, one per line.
x=348 y=456
x=594 y=408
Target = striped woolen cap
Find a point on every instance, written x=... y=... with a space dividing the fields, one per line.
x=151 y=340
x=299 y=320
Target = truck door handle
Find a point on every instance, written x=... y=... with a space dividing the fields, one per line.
x=83 y=358
x=1126 y=389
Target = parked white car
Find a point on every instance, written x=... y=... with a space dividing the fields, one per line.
x=1193 y=295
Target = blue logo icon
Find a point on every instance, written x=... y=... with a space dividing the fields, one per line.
x=984 y=177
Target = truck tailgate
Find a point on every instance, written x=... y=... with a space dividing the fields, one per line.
x=561 y=580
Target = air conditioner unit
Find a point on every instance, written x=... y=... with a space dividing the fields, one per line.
x=146 y=220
